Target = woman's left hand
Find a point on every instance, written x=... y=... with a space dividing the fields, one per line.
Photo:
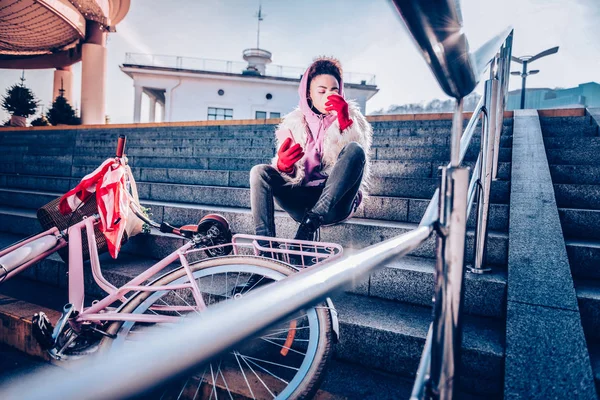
x=336 y=103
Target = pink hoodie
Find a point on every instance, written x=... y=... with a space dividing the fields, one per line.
x=317 y=127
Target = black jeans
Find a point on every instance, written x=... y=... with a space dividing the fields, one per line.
x=333 y=201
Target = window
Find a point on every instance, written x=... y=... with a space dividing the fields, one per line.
x=219 y=113
x=275 y=115
x=261 y=115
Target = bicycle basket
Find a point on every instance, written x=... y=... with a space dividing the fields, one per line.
x=49 y=216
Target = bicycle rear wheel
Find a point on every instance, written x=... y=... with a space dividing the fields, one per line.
x=285 y=362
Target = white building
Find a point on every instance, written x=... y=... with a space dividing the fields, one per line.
x=192 y=89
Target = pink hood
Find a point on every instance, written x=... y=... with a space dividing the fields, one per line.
x=318 y=125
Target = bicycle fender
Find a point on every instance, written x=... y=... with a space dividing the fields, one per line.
x=335 y=323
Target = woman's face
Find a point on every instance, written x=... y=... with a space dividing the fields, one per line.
x=321 y=87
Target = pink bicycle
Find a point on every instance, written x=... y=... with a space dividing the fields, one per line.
x=285 y=362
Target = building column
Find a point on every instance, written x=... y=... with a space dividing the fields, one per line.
x=162 y=112
x=152 y=109
x=137 y=103
x=167 y=109
x=93 y=75
x=63 y=77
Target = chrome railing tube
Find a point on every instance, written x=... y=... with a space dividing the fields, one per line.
x=487 y=158
x=504 y=76
x=420 y=385
x=449 y=273
x=457 y=125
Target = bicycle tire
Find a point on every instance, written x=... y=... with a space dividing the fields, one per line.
x=307 y=385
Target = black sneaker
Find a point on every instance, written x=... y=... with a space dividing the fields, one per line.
x=308 y=227
x=307 y=230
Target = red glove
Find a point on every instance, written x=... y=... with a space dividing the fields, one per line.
x=288 y=155
x=336 y=103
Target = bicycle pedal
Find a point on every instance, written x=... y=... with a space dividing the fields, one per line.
x=42 y=330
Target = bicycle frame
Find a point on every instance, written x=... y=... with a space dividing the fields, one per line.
x=52 y=231
x=98 y=311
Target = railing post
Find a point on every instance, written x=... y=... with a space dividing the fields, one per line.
x=488 y=135
x=503 y=76
x=449 y=273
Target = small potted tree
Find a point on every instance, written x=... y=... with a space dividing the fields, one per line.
x=61 y=112
x=20 y=103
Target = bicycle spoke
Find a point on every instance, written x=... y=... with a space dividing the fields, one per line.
x=212 y=280
x=268 y=372
x=224 y=381
x=199 y=384
x=284 y=330
x=284 y=347
x=283 y=338
x=271 y=362
x=212 y=374
x=237 y=280
x=244 y=375
x=168 y=305
x=183 y=389
x=186 y=303
x=253 y=286
x=255 y=374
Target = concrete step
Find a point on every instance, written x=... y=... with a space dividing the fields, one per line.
x=584 y=155
x=390 y=336
x=355 y=233
x=432 y=153
x=408 y=280
x=108 y=145
x=55 y=184
x=209 y=158
x=404 y=327
x=411 y=280
x=14 y=365
x=571 y=142
x=577 y=196
x=568 y=126
x=354 y=382
x=588 y=297
x=594 y=349
x=422 y=188
x=584 y=258
x=580 y=224
x=188 y=171
x=374 y=207
x=378 y=141
x=186 y=151
x=575 y=174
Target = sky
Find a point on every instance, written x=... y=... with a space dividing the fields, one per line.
x=365 y=35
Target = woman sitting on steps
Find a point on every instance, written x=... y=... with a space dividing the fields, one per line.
x=321 y=171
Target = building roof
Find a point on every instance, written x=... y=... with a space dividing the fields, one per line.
x=126 y=69
x=32 y=29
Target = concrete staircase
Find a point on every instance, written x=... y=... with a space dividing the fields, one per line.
x=184 y=172
x=573 y=151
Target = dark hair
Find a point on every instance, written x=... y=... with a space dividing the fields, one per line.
x=324 y=66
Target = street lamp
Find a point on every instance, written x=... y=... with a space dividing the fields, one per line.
x=526 y=60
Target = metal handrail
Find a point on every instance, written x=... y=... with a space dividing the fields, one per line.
x=436 y=26
x=215 y=330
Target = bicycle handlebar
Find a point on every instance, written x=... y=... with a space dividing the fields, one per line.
x=121 y=146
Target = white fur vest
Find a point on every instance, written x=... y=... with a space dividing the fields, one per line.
x=333 y=143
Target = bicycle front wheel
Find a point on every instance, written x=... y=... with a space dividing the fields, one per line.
x=285 y=362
